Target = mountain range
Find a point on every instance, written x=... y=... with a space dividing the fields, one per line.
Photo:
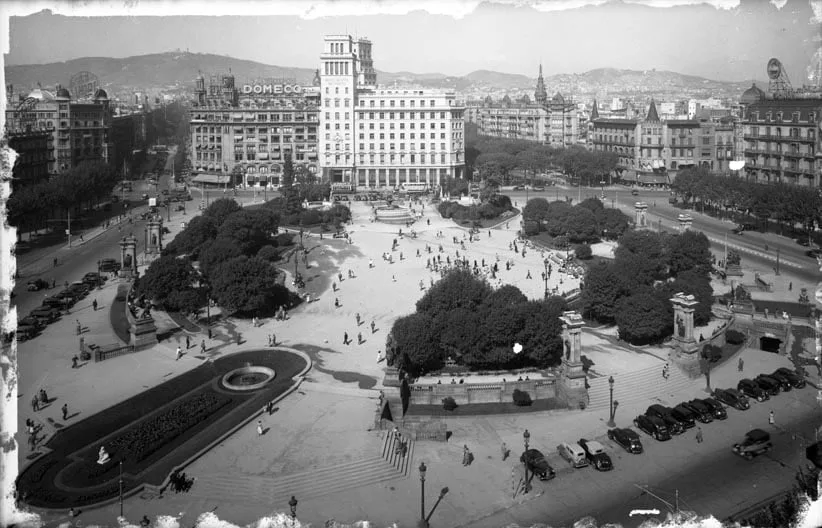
x=178 y=69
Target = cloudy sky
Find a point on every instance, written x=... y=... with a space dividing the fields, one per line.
x=728 y=40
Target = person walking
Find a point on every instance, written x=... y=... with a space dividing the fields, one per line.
x=699 y=435
x=209 y=333
x=345 y=338
x=358 y=319
x=203 y=346
x=259 y=428
x=373 y=326
x=505 y=451
x=74 y=362
x=65 y=411
x=79 y=327
x=466 y=456
x=35 y=404
x=179 y=353
x=740 y=365
x=359 y=338
x=188 y=342
x=273 y=339
x=94 y=305
x=771 y=420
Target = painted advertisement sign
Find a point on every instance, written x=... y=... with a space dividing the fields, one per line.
x=271 y=89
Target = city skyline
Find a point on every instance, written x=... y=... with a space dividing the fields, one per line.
x=733 y=44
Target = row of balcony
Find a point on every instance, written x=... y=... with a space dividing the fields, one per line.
x=776 y=168
x=803 y=139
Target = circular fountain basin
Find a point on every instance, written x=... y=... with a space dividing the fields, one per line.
x=393 y=214
x=247 y=378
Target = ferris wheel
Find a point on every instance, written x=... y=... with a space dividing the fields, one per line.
x=83 y=85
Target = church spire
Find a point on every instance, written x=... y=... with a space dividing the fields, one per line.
x=540 y=95
x=652 y=115
x=595 y=111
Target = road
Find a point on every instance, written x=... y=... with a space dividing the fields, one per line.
x=706 y=478
x=751 y=245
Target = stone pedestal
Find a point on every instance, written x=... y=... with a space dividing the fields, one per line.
x=685 y=222
x=641 y=215
x=128 y=256
x=392 y=377
x=684 y=323
x=571 y=386
x=143 y=333
x=154 y=236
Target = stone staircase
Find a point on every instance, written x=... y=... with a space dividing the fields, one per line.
x=309 y=484
x=632 y=387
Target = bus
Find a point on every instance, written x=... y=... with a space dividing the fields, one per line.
x=418 y=187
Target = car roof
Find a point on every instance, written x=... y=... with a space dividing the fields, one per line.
x=593 y=445
x=758 y=435
x=573 y=446
x=535 y=452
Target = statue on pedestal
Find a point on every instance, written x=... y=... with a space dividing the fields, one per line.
x=103 y=457
x=680 y=325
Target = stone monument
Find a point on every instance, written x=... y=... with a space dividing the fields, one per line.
x=154 y=235
x=684 y=323
x=128 y=256
x=571 y=386
x=685 y=221
x=143 y=330
x=641 y=215
x=102 y=456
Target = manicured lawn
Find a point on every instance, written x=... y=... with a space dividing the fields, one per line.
x=119 y=320
x=479 y=409
x=73 y=450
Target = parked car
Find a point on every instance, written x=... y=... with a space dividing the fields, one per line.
x=79 y=289
x=573 y=453
x=768 y=384
x=54 y=302
x=109 y=265
x=756 y=443
x=664 y=413
x=45 y=314
x=67 y=297
x=93 y=278
x=795 y=378
x=733 y=398
x=627 y=438
x=535 y=461
x=741 y=228
x=653 y=426
x=752 y=389
x=784 y=383
x=635 y=193
x=26 y=332
x=684 y=415
x=30 y=321
x=701 y=411
x=814 y=253
x=596 y=455
x=716 y=408
x=37 y=285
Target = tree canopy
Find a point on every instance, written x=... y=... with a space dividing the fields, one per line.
x=248 y=286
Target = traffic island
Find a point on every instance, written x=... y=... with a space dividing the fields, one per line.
x=148 y=437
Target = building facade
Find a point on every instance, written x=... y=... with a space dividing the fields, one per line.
x=80 y=130
x=372 y=137
x=780 y=138
x=249 y=130
x=34 y=150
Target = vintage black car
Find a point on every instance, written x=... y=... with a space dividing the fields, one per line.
x=785 y=384
x=732 y=397
x=653 y=426
x=596 y=455
x=717 y=409
x=93 y=278
x=627 y=438
x=30 y=321
x=770 y=385
x=752 y=389
x=535 y=461
x=37 y=285
x=684 y=415
x=756 y=443
x=701 y=411
x=45 y=315
x=796 y=379
x=665 y=413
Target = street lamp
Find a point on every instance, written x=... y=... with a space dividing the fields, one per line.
x=293 y=504
x=121 y=488
x=423 y=469
x=611 y=422
x=424 y=521
x=526 y=436
x=568 y=247
x=546 y=277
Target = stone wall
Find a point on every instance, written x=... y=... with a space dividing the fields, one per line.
x=466 y=393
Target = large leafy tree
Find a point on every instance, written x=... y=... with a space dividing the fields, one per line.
x=250 y=229
x=247 y=286
x=199 y=230
x=220 y=209
x=165 y=276
x=217 y=251
x=643 y=318
x=415 y=343
x=536 y=210
x=541 y=335
x=642 y=254
x=581 y=225
x=602 y=292
x=689 y=251
x=698 y=284
x=458 y=289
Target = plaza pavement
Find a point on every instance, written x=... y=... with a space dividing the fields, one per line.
x=326 y=422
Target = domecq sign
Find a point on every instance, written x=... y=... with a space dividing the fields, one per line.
x=272 y=88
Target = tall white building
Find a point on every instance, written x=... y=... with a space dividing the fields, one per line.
x=372 y=137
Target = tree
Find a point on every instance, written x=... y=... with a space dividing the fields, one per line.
x=250 y=229
x=458 y=289
x=199 y=230
x=581 y=225
x=498 y=164
x=689 y=251
x=215 y=252
x=602 y=291
x=416 y=343
x=237 y=175
x=247 y=286
x=166 y=275
x=220 y=209
x=583 y=252
x=612 y=223
x=536 y=210
x=693 y=282
x=641 y=254
x=542 y=330
x=643 y=318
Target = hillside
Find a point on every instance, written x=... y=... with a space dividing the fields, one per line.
x=179 y=69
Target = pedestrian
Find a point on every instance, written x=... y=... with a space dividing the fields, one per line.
x=359 y=338
x=35 y=404
x=209 y=333
x=790 y=286
x=53 y=283
x=203 y=346
x=79 y=327
x=358 y=319
x=65 y=411
x=771 y=419
x=44 y=398
x=373 y=327
x=466 y=454
x=505 y=451
x=94 y=305
x=259 y=427
x=269 y=408
x=345 y=338
x=188 y=342
x=740 y=365
x=334 y=286
x=55 y=265
x=273 y=339
x=698 y=435
x=336 y=302
x=74 y=362
x=179 y=353
x=394 y=278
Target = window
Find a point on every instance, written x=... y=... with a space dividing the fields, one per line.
x=402 y=102
x=382 y=115
x=382 y=136
x=392 y=103
x=382 y=146
x=442 y=136
x=391 y=114
x=391 y=146
x=411 y=114
x=431 y=102
x=402 y=146
x=422 y=146
x=371 y=147
x=391 y=136
x=371 y=105
x=328 y=137
x=347 y=100
x=442 y=146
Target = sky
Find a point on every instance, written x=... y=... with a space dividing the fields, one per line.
x=729 y=40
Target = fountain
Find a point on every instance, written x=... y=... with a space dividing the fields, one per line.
x=393 y=214
x=247 y=378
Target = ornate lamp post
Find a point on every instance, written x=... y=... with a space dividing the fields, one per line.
x=545 y=262
x=293 y=504
x=526 y=436
x=611 y=422
x=568 y=247
x=423 y=469
x=121 y=488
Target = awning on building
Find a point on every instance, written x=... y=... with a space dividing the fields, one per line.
x=652 y=178
x=629 y=175
x=211 y=178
